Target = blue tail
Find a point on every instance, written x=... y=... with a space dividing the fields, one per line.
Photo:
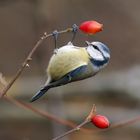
x=70 y=77
x=40 y=93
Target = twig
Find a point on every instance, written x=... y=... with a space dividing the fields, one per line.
x=116 y=125
x=28 y=59
x=29 y=107
x=72 y=130
x=47 y=115
x=86 y=121
x=124 y=123
x=66 y=122
x=2 y=80
x=38 y=112
x=42 y=113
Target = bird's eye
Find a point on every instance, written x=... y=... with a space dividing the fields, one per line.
x=95 y=47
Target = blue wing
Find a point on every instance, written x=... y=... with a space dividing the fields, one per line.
x=70 y=77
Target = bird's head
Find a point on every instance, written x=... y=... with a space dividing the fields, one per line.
x=99 y=53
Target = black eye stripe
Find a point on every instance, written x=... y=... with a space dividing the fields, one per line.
x=95 y=47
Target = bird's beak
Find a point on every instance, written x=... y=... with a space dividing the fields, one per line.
x=88 y=43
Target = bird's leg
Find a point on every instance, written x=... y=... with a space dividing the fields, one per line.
x=74 y=31
x=55 y=35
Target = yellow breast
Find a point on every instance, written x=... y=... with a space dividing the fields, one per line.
x=65 y=60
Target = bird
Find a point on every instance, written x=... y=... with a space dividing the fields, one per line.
x=71 y=63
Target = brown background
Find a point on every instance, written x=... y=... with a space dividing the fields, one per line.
x=115 y=91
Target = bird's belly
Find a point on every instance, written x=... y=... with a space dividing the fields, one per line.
x=65 y=62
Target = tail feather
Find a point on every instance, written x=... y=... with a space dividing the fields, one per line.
x=40 y=93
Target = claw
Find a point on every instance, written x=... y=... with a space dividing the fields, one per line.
x=55 y=51
x=74 y=31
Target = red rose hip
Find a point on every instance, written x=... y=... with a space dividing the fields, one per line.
x=91 y=27
x=100 y=121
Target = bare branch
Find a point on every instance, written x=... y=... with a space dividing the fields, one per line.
x=87 y=120
x=39 y=112
x=42 y=113
x=2 y=80
x=126 y=122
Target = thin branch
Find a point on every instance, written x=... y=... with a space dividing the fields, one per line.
x=42 y=113
x=72 y=130
x=124 y=123
x=68 y=123
x=116 y=125
x=39 y=112
x=28 y=59
x=2 y=80
x=86 y=121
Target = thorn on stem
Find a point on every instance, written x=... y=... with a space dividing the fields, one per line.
x=29 y=59
x=27 y=65
x=42 y=37
x=45 y=34
x=78 y=128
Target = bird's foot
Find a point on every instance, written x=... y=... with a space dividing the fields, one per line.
x=55 y=51
x=74 y=31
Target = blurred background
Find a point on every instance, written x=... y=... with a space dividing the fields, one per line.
x=115 y=90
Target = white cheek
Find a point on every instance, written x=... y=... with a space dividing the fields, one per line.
x=95 y=53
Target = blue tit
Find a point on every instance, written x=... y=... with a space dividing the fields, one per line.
x=72 y=63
